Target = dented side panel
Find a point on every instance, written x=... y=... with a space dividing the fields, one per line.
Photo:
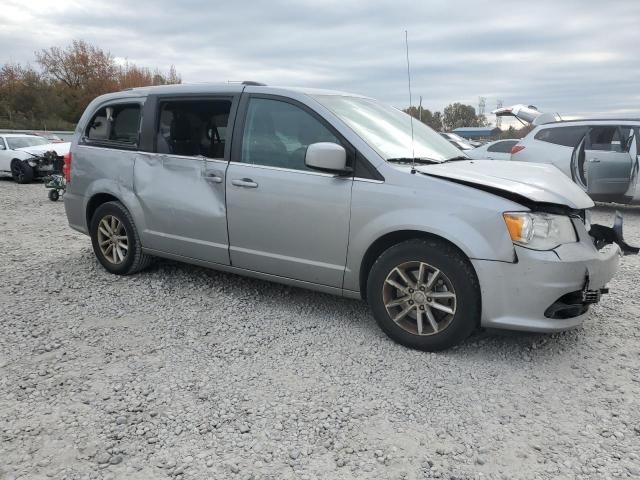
x=183 y=211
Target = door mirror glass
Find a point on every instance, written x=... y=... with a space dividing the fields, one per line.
x=326 y=156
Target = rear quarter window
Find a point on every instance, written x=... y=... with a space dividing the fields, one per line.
x=115 y=125
x=566 y=136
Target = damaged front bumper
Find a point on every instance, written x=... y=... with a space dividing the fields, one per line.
x=547 y=291
x=46 y=164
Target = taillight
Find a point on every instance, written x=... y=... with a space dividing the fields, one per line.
x=516 y=148
x=66 y=168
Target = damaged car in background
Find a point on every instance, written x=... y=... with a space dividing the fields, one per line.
x=27 y=157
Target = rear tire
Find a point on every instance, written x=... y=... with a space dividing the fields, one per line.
x=115 y=240
x=424 y=294
x=21 y=171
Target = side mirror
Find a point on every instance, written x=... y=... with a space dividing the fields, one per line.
x=326 y=156
x=2 y=147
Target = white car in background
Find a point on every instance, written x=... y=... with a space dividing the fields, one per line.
x=601 y=155
x=26 y=157
x=497 y=150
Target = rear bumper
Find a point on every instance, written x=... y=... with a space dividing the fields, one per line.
x=74 y=208
x=517 y=295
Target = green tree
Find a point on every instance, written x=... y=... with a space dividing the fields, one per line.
x=458 y=115
x=432 y=119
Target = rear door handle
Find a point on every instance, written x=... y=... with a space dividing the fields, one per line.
x=213 y=177
x=244 y=182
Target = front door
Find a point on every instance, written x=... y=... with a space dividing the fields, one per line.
x=284 y=218
x=181 y=185
x=607 y=159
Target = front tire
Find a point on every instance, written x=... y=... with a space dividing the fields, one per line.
x=21 y=171
x=115 y=240
x=424 y=294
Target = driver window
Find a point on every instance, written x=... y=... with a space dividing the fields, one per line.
x=2 y=144
x=278 y=133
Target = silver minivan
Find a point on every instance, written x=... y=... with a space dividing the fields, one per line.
x=338 y=193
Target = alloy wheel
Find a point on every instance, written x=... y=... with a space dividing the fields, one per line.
x=112 y=239
x=17 y=170
x=419 y=298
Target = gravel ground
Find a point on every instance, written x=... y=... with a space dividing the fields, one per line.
x=180 y=372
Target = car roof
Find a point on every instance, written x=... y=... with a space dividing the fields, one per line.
x=231 y=88
x=583 y=121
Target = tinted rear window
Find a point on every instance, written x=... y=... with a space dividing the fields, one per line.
x=502 y=147
x=567 y=136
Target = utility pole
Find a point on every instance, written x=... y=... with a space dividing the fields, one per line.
x=498 y=119
x=420 y=109
x=481 y=104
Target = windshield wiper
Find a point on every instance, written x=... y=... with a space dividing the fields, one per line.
x=424 y=160
x=457 y=157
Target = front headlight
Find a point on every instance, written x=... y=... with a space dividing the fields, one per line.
x=539 y=231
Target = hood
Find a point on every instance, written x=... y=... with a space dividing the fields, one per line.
x=536 y=182
x=61 y=149
x=526 y=114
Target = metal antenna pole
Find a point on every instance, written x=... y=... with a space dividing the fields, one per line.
x=413 y=151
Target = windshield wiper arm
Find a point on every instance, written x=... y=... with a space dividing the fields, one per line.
x=457 y=157
x=424 y=160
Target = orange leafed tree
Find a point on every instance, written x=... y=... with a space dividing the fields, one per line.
x=69 y=79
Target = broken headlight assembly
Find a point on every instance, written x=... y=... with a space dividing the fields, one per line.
x=539 y=231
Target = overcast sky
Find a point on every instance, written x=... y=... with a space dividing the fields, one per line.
x=576 y=57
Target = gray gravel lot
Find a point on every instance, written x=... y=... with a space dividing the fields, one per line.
x=180 y=372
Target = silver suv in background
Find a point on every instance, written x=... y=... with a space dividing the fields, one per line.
x=601 y=156
x=327 y=191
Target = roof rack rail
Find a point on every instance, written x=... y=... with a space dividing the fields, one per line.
x=253 y=84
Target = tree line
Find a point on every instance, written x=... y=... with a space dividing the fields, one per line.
x=54 y=95
x=457 y=115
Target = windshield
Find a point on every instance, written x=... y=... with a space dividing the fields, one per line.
x=388 y=130
x=21 y=142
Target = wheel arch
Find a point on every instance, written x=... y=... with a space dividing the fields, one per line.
x=95 y=201
x=390 y=239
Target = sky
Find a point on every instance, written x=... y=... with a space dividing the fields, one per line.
x=575 y=57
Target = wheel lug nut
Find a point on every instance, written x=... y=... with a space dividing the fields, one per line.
x=411 y=290
x=410 y=302
x=421 y=307
x=422 y=289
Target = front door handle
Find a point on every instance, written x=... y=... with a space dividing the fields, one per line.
x=594 y=160
x=213 y=177
x=244 y=182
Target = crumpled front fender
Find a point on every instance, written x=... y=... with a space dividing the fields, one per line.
x=606 y=235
